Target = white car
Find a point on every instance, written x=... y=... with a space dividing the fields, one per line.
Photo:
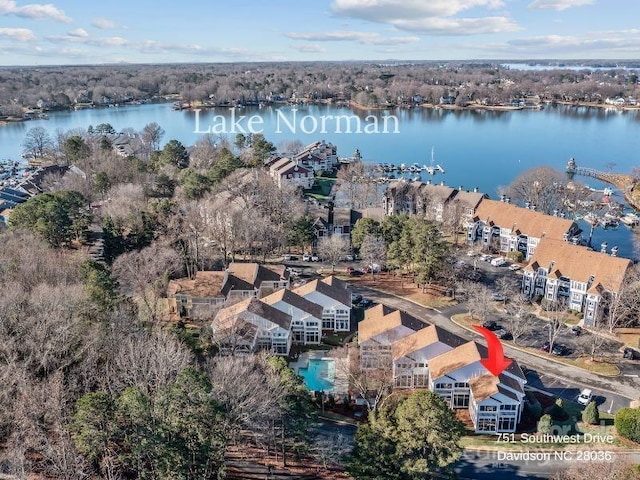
x=514 y=267
x=471 y=253
x=586 y=395
x=498 y=262
x=306 y=257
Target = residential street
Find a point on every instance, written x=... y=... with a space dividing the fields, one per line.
x=559 y=379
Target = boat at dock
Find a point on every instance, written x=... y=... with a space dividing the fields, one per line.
x=630 y=219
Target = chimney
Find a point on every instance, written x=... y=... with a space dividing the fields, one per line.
x=460 y=187
x=475 y=189
x=508 y=200
x=603 y=247
x=533 y=207
x=442 y=183
x=503 y=198
x=527 y=205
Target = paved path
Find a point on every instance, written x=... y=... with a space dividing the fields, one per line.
x=621 y=389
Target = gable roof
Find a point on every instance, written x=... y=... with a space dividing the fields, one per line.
x=375 y=326
x=459 y=357
x=522 y=220
x=292 y=167
x=256 y=307
x=249 y=276
x=487 y=385
x=338 y=294
x=207 y=284
x=295 y=300
x=425 y=337
x=377 y=312
x=470 y=199
x=579 y=264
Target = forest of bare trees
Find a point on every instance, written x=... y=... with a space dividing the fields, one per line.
x=370 y=84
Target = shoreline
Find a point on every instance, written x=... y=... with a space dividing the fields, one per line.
x=359 y=107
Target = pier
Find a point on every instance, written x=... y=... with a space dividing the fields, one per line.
x=628 y=185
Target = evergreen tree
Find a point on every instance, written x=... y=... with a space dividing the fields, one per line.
x=590 y=414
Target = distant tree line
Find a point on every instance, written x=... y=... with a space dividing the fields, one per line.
x=370 y=84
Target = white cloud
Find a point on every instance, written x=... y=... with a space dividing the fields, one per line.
x=459 y=26
x=19 y=34
x=559 y=4
x=79 y=33
x=364 y=38
x=433 y=17
x=312 y=48
x=104 y=24
x=384 y=10
x=34 y=11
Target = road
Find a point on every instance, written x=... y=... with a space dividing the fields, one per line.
x=477 y=465
x=557 y=378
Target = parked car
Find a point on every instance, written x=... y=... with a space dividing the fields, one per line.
x=375 y=268
x=514 y=267
x=560 y=350
x=365 y=303
x=315 y=257
x=491 y=325
x=471 y=253
x=503 y=334
x=486 y=257
x=630 y=354
x=306 y=257
x=475 y=276
x=576 y=330
x=356 y=298
x=498 y=262
x=354 y=272
x=586 y=395
x=349 y=258
x=498 y=297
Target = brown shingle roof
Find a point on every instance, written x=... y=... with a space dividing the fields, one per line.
x=377 y=312
x=338 y=294
x=522 y=220
x=249 y=276
x=257 y=307
x=469 y=199
x=374 y=326
x=295 y=300
x=459 y=357
x=206 y=285
x=484 y=386
x=579 y=263
x=424 y=337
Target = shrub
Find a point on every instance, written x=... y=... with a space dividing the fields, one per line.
x=516 y=256
x=590 y=414
x=545 y=424
x=627 y=423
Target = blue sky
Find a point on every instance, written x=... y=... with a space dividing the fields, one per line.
x=77 y=32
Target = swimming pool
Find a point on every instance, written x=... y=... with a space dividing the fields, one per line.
x=319 y=374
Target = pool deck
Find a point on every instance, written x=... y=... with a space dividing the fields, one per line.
x=340 y=381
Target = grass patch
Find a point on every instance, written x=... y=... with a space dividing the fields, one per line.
x=321 y=189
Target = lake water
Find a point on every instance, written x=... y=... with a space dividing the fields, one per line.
x=484 y=149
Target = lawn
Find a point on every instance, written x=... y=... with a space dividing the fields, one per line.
x=322 y=188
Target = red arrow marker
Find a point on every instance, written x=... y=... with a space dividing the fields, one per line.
x=496 y=363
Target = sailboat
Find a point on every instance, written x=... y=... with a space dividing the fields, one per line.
x=432 y=170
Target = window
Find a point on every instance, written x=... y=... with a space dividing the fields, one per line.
x=460 y=400
x=443 y=386
x=488 y=408
x=403 y=381
x=486 y=424
x=312 y=337
x=506 y=424
x=461 y=385
x=420 y=381
x=508 y=407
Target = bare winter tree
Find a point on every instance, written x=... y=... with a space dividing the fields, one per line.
x=622 y=309
x=556 y=312
x=144 y=275
x=373 y=251
x=518 y=319
x=37 y=143
x=479 y=301
x=332 y=249
x=540 y=186
x=152 y=134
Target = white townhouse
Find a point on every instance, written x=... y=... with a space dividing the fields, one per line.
x=334 y=297
x=318 y=156
x=509 y=228
x=378 y=332
x=243 y=280
x=286 y=171
x=306 y=316
x=582 y=278
x=254 y=325
x=458 y=376
x=412 y=354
